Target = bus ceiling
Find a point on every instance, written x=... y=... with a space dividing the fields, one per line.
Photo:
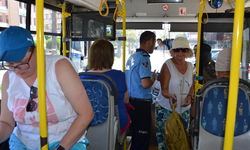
x=142 y=11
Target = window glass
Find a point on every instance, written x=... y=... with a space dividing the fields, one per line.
x=96 y=29
x=78 y=54
x=22 y=14
x=245 y=55
x=12 y=17
x=157 y=58
x=21 y=19
x=6 y=3
x=51 y=20
x=52 y=44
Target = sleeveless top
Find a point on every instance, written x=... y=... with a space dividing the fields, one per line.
x=179 y=85
x=60 y=113
x=120 y=80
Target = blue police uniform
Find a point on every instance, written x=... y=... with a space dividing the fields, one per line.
x=138 y=67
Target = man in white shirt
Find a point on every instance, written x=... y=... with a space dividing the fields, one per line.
x=161 y=46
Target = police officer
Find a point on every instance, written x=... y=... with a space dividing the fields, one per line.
x=140 y=81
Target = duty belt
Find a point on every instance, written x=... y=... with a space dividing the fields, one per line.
x=138 y=99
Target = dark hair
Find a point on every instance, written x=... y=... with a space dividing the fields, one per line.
x=101 y=55
x=159 y=39
x=205 y=48
x=195 y=46
x=31 y=48
x=146 y=36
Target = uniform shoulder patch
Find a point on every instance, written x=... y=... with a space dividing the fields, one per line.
x=145 y=64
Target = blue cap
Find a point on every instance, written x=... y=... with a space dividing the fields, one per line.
x=14 y=43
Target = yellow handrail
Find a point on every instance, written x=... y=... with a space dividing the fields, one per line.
x=64 y=16
x=123 y=14
x=100 y=8
x=230 y=2
x=234 y=74
x=197 y=85
x=117 y=12
x=41 y=75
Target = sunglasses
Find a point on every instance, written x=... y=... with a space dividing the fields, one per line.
x=32 y=105
x=184 y=50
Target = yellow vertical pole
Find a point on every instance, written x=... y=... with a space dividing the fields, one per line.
x=197 y=85
x=41 y=74
x=234 y=74
x=63 y=28
x=124 y=34
x=64 y=16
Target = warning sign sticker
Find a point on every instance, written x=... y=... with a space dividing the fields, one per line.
x=165 y=7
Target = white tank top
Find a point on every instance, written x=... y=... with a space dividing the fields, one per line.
x=60 y=113
x=179 y=85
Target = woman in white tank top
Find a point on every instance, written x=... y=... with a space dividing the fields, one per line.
x=176 y=78
x=69 y=111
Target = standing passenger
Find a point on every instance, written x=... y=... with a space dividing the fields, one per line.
x=208 y=63
x=176 y=78
x=138 y=74
x=161 y=46
x=69 y=111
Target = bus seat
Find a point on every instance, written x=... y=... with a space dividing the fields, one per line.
x=120 y=137
x=103 y=128
x=210 y=116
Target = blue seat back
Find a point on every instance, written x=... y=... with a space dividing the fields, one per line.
x=210 y=115
x=102 y=129
x=214 y=110
x=98 y=97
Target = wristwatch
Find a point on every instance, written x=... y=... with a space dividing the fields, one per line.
x=60 y=147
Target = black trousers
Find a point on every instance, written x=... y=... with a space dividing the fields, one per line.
x=141 y=124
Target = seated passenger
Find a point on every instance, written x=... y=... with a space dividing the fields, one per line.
x=222 y=68
x=101 y=59
x=69 y=111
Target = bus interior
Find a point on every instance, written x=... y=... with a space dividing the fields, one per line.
x=168 y=19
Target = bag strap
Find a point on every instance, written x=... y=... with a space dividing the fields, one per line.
x=173 y=108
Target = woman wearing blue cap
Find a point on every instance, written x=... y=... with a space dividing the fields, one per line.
x=69 y=111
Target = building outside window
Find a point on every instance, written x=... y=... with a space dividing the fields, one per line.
x=6 y=3
x=58 y=26
x=20 y=17
x=46 y=27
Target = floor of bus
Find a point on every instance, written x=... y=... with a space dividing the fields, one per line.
x=152 y=144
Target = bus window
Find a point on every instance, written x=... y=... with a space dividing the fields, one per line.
x=77 y=55
x=52 y=20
